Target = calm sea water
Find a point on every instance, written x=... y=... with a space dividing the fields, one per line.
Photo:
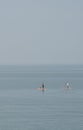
x=23 y=107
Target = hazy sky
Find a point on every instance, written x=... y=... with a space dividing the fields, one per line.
x=41 y=32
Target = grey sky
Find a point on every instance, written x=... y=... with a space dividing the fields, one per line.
x=41 y=32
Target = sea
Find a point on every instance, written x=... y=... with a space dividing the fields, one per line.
x=24 y=107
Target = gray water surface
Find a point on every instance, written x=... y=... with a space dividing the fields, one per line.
x=23 y=107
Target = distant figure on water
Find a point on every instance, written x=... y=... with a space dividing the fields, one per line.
x=42 y=87
x=67 y=86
